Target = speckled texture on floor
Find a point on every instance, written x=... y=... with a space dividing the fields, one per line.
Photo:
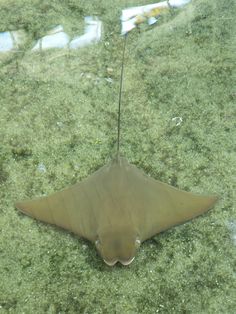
x=58 y=125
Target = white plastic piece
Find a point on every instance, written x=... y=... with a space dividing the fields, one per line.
x=6 y=42
x=57 y=38
x=93 y=31
x=129 y=16
x=11 y=40
x=178 y=3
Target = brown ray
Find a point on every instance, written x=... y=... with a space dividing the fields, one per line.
x=117 y=208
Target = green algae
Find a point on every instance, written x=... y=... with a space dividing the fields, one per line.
x=59 y=111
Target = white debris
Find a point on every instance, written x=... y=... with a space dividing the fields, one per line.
x=84 y=247
x=6 y=42
x=134 y=16
x=93 y=32
x=177 y=120
x=232 y=227
x=109 y=79
x=59 y=124
x=56 y=38
x=11 y=40
x=41 y=168
x=178 y=3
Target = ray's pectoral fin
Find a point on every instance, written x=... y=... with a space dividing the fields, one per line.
x=176 y=207
x=68 y=209
x=166 y=206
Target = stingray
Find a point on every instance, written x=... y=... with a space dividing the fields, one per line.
x=118 y=206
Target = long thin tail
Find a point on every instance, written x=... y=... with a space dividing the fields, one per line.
x=120 y=94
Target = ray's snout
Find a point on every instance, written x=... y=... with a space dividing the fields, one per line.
x=125 y=263
x=118 y=247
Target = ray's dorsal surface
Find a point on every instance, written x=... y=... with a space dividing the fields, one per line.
x=118 y=206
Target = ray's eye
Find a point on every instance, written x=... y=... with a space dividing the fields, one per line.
x=137 y=243
x=98 y=243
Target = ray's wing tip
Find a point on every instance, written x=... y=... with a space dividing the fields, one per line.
x=18 y=205
x=24 y=209
x=212 y=200
x=21 y=206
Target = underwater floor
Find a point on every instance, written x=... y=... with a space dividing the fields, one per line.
x=58 y=116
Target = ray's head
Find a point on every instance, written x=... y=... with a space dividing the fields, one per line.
x=118 y=246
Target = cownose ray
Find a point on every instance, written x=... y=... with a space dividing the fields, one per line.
x=117 y=207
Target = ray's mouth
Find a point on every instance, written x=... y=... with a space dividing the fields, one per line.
x=125 y=263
